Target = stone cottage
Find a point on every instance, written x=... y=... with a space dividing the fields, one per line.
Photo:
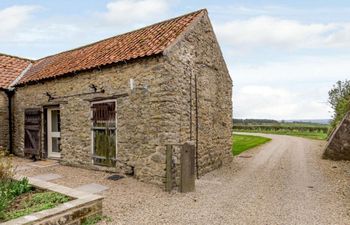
x=116 y=103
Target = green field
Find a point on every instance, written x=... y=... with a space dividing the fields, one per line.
x=242 y=143
x=311 y=135
x=306 y=130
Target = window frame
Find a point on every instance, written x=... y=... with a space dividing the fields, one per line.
x=53 y=134
x=93 y=156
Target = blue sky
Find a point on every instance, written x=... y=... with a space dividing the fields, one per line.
x=283 y=56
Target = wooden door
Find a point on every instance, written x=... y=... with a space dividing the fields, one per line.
x=32 y=128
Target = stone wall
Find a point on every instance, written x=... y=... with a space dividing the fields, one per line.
x=198 y=56
x=338 y=147
x=4 y=129
x=142 y=127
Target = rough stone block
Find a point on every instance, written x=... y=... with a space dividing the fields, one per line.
x=338 y=147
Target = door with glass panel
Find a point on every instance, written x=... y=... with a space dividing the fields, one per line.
x=53 y=133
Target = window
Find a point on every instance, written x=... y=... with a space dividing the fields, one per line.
x=104 y=133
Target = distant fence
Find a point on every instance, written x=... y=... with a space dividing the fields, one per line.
x=319 y=129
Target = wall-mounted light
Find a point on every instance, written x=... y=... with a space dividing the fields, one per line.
x=131 y=84
x=133 y=87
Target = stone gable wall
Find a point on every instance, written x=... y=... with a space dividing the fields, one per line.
x=198 y=55
x=4 y=129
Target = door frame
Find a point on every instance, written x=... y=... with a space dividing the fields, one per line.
x=51 y=134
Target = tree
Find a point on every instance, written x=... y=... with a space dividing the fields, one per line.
x=339 y=99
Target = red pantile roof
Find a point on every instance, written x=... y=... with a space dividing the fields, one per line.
x=10 y=68
x=148 y=41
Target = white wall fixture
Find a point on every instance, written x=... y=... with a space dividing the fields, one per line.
x=132 y=84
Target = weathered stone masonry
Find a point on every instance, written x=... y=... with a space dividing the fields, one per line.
x=198 y=55
x=4 y=128
x=141 y=128
x=163 y=108
x=338 y=147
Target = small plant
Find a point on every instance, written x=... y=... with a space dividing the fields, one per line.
x=17 y=188
x=95 y=219
x=47 y=198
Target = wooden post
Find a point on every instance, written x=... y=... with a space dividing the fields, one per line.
x=188 y=167
x=169 y=173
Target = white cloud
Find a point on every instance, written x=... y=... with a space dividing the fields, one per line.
x=264 y=31
x=134 y=11
x=20 y=31
x=276 y=103
x=298 y=70
x=291 y=89
x=12 y=18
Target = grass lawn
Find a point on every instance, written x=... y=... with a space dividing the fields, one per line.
x=311 y=135
x=242 y=143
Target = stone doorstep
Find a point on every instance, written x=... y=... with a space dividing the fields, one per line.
x=81 y=199
x=48 y=176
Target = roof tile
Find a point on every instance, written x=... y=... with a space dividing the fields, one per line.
x=10 y=68
x=147 y=41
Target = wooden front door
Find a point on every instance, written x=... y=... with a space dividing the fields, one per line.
x=32 y=128
x=53 y=133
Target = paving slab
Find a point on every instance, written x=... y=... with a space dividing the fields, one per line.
x=92 y=188
x=48 y=176
x=22 y=168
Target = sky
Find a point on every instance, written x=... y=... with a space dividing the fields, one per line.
x=283 y=56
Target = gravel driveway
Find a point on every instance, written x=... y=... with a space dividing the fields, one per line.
x=284 y=182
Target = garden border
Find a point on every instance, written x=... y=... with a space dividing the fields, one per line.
x=83 y=206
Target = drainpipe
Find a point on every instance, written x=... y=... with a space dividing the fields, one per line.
x=197 y=121
x=10 y=93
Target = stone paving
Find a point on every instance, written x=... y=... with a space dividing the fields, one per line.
x=48 y=177
x=22 y=168
x=27 y=166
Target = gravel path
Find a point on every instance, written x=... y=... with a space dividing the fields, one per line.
x=284 y=182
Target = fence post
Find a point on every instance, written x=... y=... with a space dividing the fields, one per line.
x=169 y=173
x=188 y=167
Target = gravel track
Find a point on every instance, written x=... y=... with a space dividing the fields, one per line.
x=284 y=182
